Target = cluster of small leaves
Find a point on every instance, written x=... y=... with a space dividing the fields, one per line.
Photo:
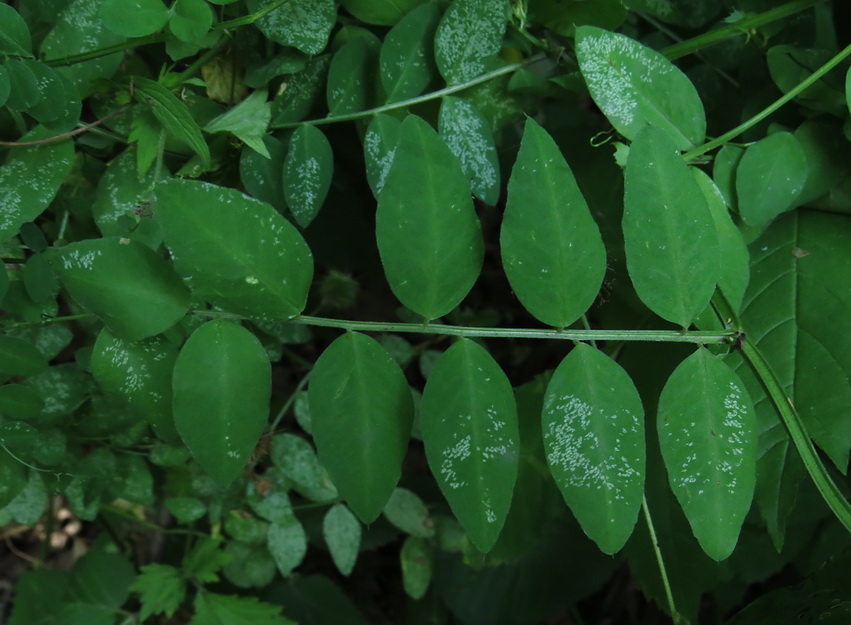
x=251 y=161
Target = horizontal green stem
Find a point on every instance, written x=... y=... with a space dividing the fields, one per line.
x=401 y=104
x=45 y=321
x=774 y=106
x=737 y=28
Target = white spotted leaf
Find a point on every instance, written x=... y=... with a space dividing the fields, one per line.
x=307 y=173
x=708 y=439
x=342 y=533
x=552 y=250
x=222 y=383
x=471 y=437
x=353 y=80
x=469 y=37
x=303 y=24
x=469 y=136
x=234 y=251
x=361 y=414
x=132 y=289
x=634 y=85
x=287 y=542
x=670 y=240
x=407 y=54
x=379 y=148
x=593 y=429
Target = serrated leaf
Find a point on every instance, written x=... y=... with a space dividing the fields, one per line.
x=416 y=559
x=215 y=609
x=205 y=559
x=379 y=148
x=190 y=20
x=14 y=34
x=30 y=179
x=634 y=85
x=303 y=24
x=342 y=533
x=287 y=543
x=471 y=437
x=361 y=415
x=552 y=251
x=139 y=372
x=669 y=234
x=407 y=511
x=222 y=384
x=468 y=38
x=407 y=54
x=770 y=177
x=708 y=439
x=430 y=240
x=133 y=18
x=247 y=121
x=469 y=136
x=308 y=170
x=234 y=251
x=161 y=590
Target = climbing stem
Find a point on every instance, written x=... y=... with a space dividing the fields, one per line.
x=663 y=572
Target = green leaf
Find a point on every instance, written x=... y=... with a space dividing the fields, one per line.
x=770 y=177
x=735 y=259
x=161 y=590
x=126 y=284
x=428 y=233
x=247 y=121
x=66 y=385
x=15 y=36
x=300 y=92
x=708 y=438
x=407 y=54
x=826 y=151
x=30 y=504
x=298 y=460
x=552 y=251
x=381 y=12
x=471 y=437
x=174 y=115
x=59 y=101
x=190 y=20
x=287 y=543
x=18 y=401
x=303 y=24
x=468 y=38
x=342 y=533
x=361 y=414
x=308 y=170
x=5 y=83
x=379 y=148
x=563 y=17
x=214 y=609
x=140 y=373
x=20 y=357
x=593 y=426
x=30 y=179
x=133 y=18
x=13 y=478
x=352 y=76
x=24 y=92
x=205 y=559
x=416 y=558
x=39 y=279
x=248 y=259
x=848 y=88
x=261 y=175
x=222 y=384
x=470 y=138
x=186 y=509
x=634 y=86
x=407 y=512
x=669 y=234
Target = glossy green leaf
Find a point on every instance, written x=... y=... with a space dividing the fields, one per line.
x=708 y=439
x=18 y=401
x=287 y=543
x=428 y=233
x=133 y=18
x=407 y=54
x=563 y=17
x=552 y=251
x=381 y=12
x=301 y=92
x=54 y=89
x=190 y=20
x=247 y=259
x=20 y=357
x=634 y=86
x=261 y=175
x=407 y=511
x=39 y=279
x=342 y=533
x=724 y=173
x=352 y=77
x=303 y=24
x=13 y=478
x=468 y=38
x=379 y=149
x=770 y=177
x=247 y=121
x=23 y=92
x=222 y=383
x=735 y=260
x=827 y=151
x=470 y=432
x=15 y=36
x=126 y=284
x=416 y=559
x=593 y=426
x=139 y=372
x=308 y=170
x=669 y=234
x=470 y=138
x=30 y=179
x=174 y=115
x=789 y=65
x=361 y=415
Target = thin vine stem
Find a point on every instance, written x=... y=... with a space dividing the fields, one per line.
x=771 y=108
x=663 y=571
x=65 y=135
